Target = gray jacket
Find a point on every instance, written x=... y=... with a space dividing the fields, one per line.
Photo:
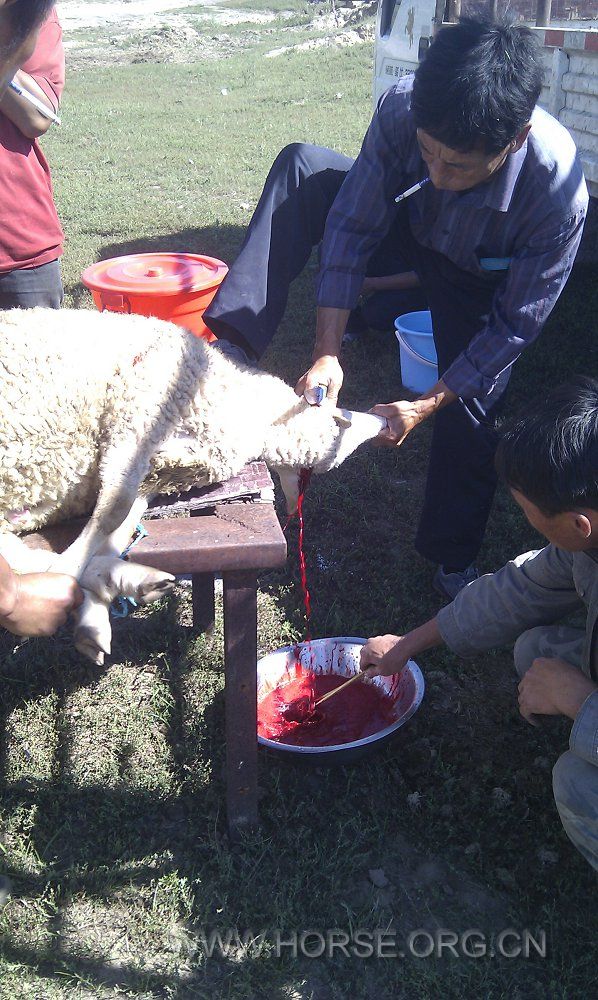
x=537 y=588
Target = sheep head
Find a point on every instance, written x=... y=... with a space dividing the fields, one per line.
x=319 y=438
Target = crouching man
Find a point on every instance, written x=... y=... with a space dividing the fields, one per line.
x=549 y=460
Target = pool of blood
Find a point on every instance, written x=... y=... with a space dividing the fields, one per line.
x=287 y=715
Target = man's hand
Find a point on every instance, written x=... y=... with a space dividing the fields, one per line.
x=327 y=373
x=401 y=417
x=42 y=602
x=384 y=655
x=404 y=415
x=553 y=687
x=388 y=654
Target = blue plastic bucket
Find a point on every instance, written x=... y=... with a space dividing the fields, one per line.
x=419 y=366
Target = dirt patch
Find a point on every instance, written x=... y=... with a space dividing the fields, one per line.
x=413 y=889
x=356 y=24
x=107 y=33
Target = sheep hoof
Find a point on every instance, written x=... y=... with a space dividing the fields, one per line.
x=154 y=586
x=108 y=578
x=89 y=649
x=93 y=632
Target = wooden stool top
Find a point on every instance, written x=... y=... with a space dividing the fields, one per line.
x=226 y=533
x=237 y=536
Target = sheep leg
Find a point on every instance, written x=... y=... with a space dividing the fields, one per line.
x=93 y=632
x=118 y=540
x=122 y=474
x=109 y=576
x=21 y=558
x=105 y=577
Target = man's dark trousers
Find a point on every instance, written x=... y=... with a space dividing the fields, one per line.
x=25 y=288
x=288 y=222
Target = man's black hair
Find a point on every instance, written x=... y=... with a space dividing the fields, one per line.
x=478 y=84
x=550 y=452
x=26 y=15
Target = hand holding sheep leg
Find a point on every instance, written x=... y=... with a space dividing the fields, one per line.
x=35 y=603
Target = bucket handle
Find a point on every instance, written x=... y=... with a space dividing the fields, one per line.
x=411 y=350
x=115 y=303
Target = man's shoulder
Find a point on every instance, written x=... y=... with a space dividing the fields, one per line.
x=549 y=139
x=397 y=99
x=549 y=558
x=586 y=563
x=394 y=111
x=552 y=162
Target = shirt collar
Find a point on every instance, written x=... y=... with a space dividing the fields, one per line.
x=498 y=192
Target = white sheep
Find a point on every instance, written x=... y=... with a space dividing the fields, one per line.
x=98 y=408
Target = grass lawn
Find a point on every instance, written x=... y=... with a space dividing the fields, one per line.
x=111 y=809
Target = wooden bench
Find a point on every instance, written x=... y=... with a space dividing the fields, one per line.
x=236 y=539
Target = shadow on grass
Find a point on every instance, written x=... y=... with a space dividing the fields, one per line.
x=97 y=841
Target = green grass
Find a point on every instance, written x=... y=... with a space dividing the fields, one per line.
x=111 y=814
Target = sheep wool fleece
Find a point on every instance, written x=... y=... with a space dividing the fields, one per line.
x=79 y=386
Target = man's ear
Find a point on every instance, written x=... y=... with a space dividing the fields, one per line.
x=520 y=138
x=583 y=526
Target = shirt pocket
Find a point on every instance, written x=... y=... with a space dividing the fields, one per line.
x=493 y=264
x=492 y=272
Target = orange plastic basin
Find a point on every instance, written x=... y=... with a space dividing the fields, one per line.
x=173 y=286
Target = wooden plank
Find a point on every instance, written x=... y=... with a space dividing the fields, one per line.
x=240 y=658
x=236 y=536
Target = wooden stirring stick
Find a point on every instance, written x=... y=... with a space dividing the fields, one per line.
x=334 y=691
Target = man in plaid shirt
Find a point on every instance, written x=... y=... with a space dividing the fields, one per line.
x=488 y=245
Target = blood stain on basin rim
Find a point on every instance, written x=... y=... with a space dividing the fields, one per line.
x=339 y=656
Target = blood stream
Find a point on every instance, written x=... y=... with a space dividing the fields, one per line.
x=304 y=478
x=288 y=713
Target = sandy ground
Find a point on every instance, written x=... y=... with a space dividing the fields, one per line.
x=140 y=14
x=107 y=32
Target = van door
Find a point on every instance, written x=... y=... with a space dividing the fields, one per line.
x=404 y=29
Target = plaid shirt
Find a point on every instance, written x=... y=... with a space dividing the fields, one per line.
x=526 y=220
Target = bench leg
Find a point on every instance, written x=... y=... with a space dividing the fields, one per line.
x=240 y=658
x=202 y=601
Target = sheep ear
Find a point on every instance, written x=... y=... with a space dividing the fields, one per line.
x=342 y=417
x=289 y=481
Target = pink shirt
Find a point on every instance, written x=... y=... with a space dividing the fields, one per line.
x=30 y=231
